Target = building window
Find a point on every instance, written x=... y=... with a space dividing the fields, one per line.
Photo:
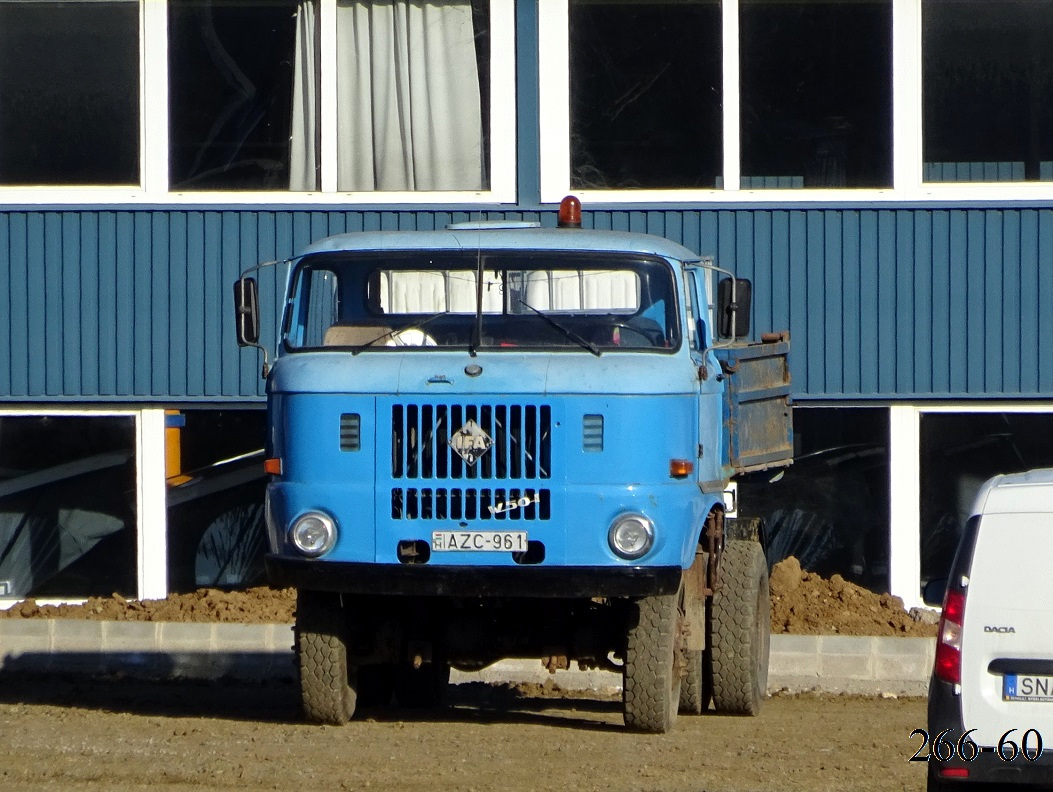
x=830 y=508
x=645 y=94
x=410 y=81
x=69 y=93
x=987 y=72
x=67 y=506
x=816 y=94
x=959 y=452
x=407 y=104
x=230 y=93
x=216 y=491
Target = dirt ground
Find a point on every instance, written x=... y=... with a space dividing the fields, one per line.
x=802 y=603
x=123 y=735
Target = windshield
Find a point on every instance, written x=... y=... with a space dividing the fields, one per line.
x=585 y=302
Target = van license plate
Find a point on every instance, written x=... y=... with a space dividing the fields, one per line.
x=476 y=541
x=1025 y=687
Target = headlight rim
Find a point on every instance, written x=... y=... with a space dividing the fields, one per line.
x=643 y=521
x=327 y=521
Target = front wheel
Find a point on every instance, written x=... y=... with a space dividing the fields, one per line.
x=740 y=630
x=651 y=674
x=328 y=682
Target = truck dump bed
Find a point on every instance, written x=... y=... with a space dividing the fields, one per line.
x=757 y=415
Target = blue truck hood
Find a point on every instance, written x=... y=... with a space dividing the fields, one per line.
x=442 y=373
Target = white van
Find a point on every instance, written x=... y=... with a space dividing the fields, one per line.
x=991 y=694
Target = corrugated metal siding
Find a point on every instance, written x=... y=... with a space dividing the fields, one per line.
x=881 y=303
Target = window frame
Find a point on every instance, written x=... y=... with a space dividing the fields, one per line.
x=151 y=525
x=153 y=187
x=907 y=131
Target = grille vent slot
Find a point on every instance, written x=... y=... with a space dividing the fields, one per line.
x=592 y=433
x=350 y=432
x=470 y=504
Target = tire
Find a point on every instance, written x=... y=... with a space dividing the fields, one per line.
x=695 y=694
x=650 y=677
x=740 y=630
x=328 y=683
x=424 y=687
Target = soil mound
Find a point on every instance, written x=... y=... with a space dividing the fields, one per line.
x=259 y=605
x=801 y=602
x=804 y=603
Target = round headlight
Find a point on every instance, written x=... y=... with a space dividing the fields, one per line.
x=631 y=535
x=313 y=533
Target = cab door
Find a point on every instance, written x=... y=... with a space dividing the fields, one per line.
x=712 y=437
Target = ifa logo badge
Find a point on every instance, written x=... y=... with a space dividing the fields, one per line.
x=470 y=442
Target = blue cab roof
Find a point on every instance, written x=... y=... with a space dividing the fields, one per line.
x=504 y=238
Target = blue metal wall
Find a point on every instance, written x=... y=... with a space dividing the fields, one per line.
x=906 y=303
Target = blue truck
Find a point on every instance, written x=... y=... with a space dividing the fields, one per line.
x=497 y=440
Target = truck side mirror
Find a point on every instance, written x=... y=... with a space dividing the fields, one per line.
x=733 y=313
x=247 y=311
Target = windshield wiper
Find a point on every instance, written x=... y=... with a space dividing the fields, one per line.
x=577 y=339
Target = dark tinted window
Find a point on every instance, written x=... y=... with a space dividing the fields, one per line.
x=816 y=96
x=645 y=94
x=959 y=452
x=987 y=68
x=67 y=506
x=230 y=93
x=69 y=93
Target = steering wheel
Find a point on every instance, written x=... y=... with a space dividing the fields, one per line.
x=652 y=337
x=410 y=337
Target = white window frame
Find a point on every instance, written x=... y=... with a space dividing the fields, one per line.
x=906 y=129
x=905 y=486
x=153 y=135
x=150 y=489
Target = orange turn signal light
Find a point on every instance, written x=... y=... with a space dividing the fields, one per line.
x=273 y=466
x=681 y=468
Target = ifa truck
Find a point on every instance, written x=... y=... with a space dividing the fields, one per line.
x=497 y=440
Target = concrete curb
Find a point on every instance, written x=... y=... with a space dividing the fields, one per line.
x=827 y=663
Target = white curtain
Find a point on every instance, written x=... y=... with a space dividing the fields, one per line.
x=303 y=141
x=408 y=109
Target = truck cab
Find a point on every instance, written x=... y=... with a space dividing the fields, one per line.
x=495 y=441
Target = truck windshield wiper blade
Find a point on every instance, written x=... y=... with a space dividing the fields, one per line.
x=577 y=339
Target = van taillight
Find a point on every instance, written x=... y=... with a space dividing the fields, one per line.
x=948 y=665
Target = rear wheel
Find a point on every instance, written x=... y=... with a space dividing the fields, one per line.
x=328 y=682
x=651 y=675
x=695 y=691
x=740 y=629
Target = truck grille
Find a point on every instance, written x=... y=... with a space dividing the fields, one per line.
x=521 y=435
x=469 y=504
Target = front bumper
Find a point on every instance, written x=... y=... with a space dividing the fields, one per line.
x=559 y=582
x=945 y=712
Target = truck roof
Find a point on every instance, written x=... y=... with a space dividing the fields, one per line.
x=509 y=237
